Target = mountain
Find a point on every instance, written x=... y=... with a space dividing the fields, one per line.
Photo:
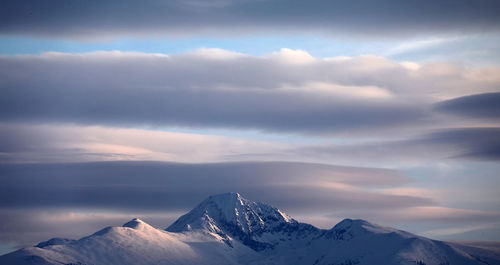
x=229 y=229
x=254 y=224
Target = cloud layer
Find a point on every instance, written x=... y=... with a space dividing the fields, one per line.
x=454 y=143
x=289 y=91
x=153 y=17
x=483 y=106
x=49 y=143
x=169 y=186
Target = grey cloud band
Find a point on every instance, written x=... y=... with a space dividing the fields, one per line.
x=361 y=17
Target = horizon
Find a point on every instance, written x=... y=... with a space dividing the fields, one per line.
x=384 y=111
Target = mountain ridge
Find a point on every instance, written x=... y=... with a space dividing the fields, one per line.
x=229 y=229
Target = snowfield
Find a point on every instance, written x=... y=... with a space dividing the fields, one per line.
x=229 y=229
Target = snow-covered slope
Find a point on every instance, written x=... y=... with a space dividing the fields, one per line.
x=228 y=229
x=135 y=242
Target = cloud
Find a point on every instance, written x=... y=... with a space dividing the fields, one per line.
x=476 y=49
x=450 y=232
x=170 y=186
x=453 y=143
x=425 y=216
x=488 y=236
x=221 y=89
x=49 y=143
x=32 y=143
x=412 y=46
x=153 y=17
x=483 y=106
x=479 y=143
x=435 y=213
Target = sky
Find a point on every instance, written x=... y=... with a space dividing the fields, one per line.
x=388 y=111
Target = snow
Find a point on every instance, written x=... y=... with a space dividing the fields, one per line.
x=54 y=241
x=218 y=211
x=229 y=229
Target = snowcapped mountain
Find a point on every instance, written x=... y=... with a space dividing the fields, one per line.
x=256 y=225
x=229 y=229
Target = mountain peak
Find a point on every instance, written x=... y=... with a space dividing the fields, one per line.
x=230 y=208
x=226 y=200
x=350 y=228
x=231 y=215
x=349 y=223
x=136 y=223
